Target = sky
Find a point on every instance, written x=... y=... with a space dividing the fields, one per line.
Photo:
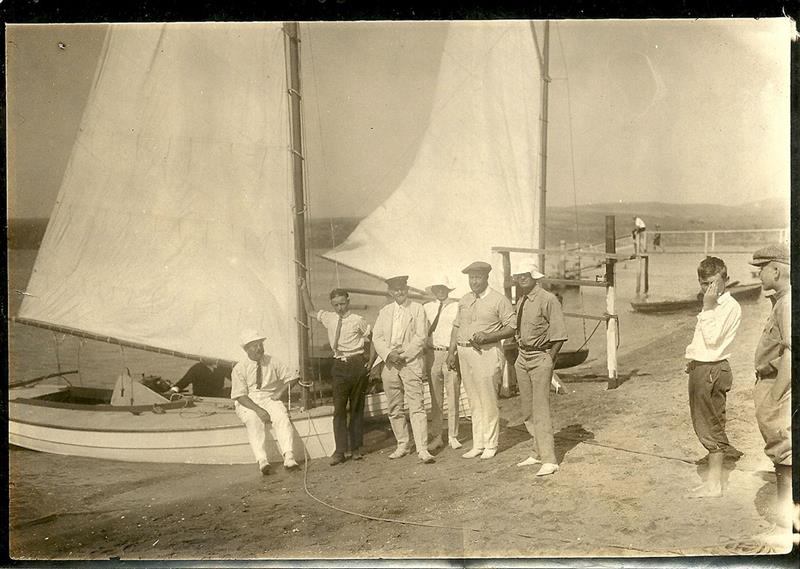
x=675 y=111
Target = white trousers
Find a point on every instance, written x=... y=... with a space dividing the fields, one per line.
x=257 y=429
x=481 y=374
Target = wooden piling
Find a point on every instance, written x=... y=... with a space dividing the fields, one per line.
x=611 y=311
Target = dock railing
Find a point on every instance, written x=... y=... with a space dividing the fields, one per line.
x=694 y=241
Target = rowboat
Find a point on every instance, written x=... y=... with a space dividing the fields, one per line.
x=742 y=293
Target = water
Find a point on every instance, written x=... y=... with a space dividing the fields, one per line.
x=34 y=352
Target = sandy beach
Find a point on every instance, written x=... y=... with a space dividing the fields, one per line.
x=627 y=462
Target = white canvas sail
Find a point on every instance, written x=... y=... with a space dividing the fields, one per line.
x=474 y=181
x=173 y=226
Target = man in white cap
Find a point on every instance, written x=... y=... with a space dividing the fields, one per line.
x=540 y=334
x=485 y=317
x=773 y=362
x=441 y=313
x=399 y=338
x=257 y=384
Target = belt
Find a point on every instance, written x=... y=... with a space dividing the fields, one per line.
x=440 y=349
x=531 y=349
x=464 y=344
x=350 y=357
x=760 y=376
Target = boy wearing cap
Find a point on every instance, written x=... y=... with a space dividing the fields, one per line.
x=348 y=334
x=484 y=318
x=257 y=384
x=441 y=313
x=399 y=337
x=710 y=376
x=540 y=334
x=773 y=365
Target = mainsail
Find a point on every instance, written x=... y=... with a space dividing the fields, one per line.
x=474 y=181
x=173 y=227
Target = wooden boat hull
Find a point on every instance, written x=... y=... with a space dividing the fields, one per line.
x=742 y=293
x=209 y=432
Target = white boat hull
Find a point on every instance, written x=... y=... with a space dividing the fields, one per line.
x=207 y=433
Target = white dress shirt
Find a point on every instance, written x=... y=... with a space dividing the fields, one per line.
x=715 y=331
x=441 y=336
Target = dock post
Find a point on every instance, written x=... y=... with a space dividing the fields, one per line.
x=646 y=274
x=562 y=260
x=506 y=273
x=611 y=311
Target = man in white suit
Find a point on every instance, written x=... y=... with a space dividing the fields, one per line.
x=399 y=337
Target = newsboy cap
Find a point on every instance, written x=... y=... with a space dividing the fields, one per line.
x=399 y=282
x=778 y=252
x=477 y=267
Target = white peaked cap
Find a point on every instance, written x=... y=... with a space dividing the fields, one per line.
x=250 y=335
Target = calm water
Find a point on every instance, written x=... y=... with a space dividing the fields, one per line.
x=34 y=352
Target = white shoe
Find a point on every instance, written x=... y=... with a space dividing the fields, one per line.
x=454 y=444
x=530 y=461
x=289 y=462
x=475 y=452
x=399 y=452
x=488 y=453
x=547 y=468
x=263 y=466
x=426 y=457
x=435 y=444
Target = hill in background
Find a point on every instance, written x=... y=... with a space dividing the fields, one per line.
x=584 y=224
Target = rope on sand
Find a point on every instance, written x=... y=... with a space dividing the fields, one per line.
x=454 y=528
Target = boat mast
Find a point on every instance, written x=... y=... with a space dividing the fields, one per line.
x=293 y=77
x=544 y=65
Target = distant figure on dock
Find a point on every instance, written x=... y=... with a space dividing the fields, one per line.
x=773 y=366
x=348 y=334
x=206 y=380
x=657 y=239
x=399 y=336
x=441 y=379
x=639 y=235
x=257 y=383
x=710 y=376
x=541 y=332
x=485 y=318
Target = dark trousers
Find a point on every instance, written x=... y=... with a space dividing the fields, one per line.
x=349 y=387
x=709 y=383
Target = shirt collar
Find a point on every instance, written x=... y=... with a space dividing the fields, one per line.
x=724 y=298
x=534 y=292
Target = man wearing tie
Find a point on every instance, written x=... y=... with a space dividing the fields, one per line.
x=399 y=337
x=441 y=313
x=348 y=334
x=257 y=384
x=540 y=334
x=485 y=317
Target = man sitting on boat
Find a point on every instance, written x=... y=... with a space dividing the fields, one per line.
x=399 y=337
x=257 y=384
x=206 y=381
x=348 y=334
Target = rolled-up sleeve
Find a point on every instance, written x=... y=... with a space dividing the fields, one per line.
x=557 y=330
x=238 y=382
x=505 y=312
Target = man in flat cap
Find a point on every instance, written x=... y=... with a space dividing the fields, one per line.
x=485 y=317
x=540 y=334
x=773 y=364
x=257 y=384
x=441 y=379
x=399 y=338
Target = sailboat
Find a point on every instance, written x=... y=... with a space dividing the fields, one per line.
x=181 y=216
x=178 y=224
